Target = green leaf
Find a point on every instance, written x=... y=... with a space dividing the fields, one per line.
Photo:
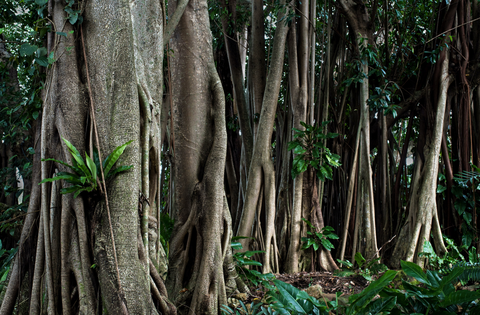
x=299 y=150
x=292 y=145
x=71 y=178
x=71 y=189
x=451 y=276
x=119 y=169
x=433 y=277
x=93 y=169
x=113 y=157
x=358 y=301
x=250 y=262
x=359 y=259
x=380 y=306
x=441 y=189
x=75 y=169
x=459 y=297
x=308 y=223
x=51 y=58
x=236 y=245
x=79 y=191
x=346 y=263
x=289 y=293
x=327 y=244
x=250 y=253
x=42 y=61
x=328 y=228
x=72 y=18
x=27 y=50
x=96 y=158
x=61 y=34
x=414 y=270
x=77 y=157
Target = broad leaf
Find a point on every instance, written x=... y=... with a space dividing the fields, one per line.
x=113 y=157
x=73 y=167
x=359 y=259
x=118 y=170
x=79 y=191
x=71 y=189
x=77 y=156
x=360 y=300
x=414 y=270
x=27 y=50
x=451 y=276
x=327 y=244
x=236 y=245
x=460 y=297
x=380 y=306
x=289 y=293
x=93 y=169
x=69 y=177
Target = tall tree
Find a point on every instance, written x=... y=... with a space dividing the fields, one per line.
x=97 y=94
x=200 y=246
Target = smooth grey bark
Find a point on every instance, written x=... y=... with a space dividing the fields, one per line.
x=202 y=231
x=365 y=230
x=261 y=152
x=123 y=44
x=423 y=210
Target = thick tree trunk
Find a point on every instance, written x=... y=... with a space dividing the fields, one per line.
x=106 y=84
x=202 y=232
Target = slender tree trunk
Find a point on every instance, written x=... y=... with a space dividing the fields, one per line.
x=261 y=152
x=423 y=210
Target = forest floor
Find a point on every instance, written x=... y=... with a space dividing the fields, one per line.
x=317 y=284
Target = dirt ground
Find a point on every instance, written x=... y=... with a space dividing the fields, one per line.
x=330 y=284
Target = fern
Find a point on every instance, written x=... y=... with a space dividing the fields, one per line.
x=471 y=272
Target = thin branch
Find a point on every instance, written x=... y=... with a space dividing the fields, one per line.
x=428 y=41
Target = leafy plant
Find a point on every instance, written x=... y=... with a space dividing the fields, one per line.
x=85 y=174
x=366 y=269
x=453 y=257
x=6 y=257
x=166 y=229
x=243 y=262
x=242 y=309
x=471 y=272
x=434 y=295
x=310 y=150
x=317 y=239
x=364 y=303
x=286 y=299
x=466 y=190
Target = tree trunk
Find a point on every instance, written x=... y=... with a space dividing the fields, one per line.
x=202 y=231
x=106 y=85
x=423 y=216
x=262 y=152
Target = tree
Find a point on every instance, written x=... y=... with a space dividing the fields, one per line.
x=102 y=87
x=200 y=249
